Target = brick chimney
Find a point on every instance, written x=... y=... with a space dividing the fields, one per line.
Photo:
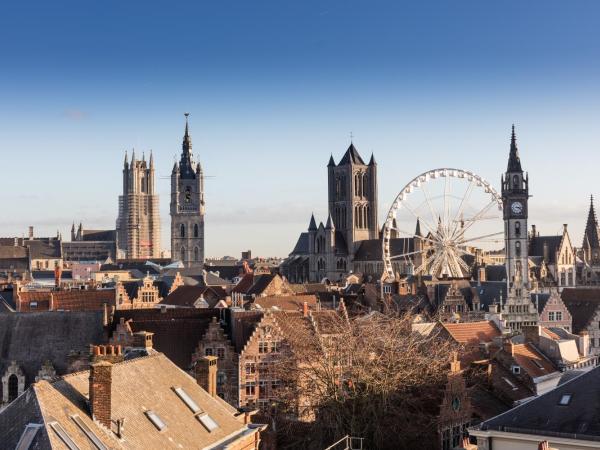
x=482 y=277
x=100 y=392
x=509 y=347
x=206 y=374
x=143 y=339
x=305 y=309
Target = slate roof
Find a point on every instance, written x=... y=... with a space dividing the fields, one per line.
x=140 y=266
x=13 y=252
x=260 y=283
x=99 y=235
x=473 y=332
x=579 y=419
x=351 y=157
x=138 y=385
x=186 y=296
x=495 y=272
x=582 y=304
x=32 y=338
x=536 y=247
x=44 y=250
x=370 y=249
x=177 y=331
x=489 y=292
x=540 y=300
x=514 y=162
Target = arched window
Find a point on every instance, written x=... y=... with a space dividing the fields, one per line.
x=196 y=230
x=515 y=181
x=518 y=248
x=182 y=254
x=196 y=254
x=365 y=185
x=182 y=230
x=13 y=387
x=517 y=229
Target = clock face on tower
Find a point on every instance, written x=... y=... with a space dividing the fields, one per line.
x=516 y=207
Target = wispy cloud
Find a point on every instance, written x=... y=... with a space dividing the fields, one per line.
x=75 y=114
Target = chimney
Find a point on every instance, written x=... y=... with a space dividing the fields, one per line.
x=206 y=374
x=583 y=343
x=509 y=347
x=455 y=364
x=532 y=334
x=30 y=232
x=546 y=252
x=100 y=392
x=51 y=302
x=143 y=339
x=533 y=231
x=305 y=309
x=482 y=276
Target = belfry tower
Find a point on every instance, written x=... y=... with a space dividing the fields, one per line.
x=187 y=207
x=138 y=224
x=518 y=310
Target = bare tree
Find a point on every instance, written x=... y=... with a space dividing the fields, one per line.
x=371 y=377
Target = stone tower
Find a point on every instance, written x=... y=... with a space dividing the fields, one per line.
x=353 y=197
x=138 y=224
x=518 y=310
x=187 y=207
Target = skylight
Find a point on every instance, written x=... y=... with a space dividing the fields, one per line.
x=208 y=422
x=537 y=363
x=156 y=421
x=89 y=433
x=565 y=399
x=28 y=435
x=62 y=434
x=187 y=400
x=510 y=383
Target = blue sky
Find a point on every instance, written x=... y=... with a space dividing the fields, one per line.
x=274 y=88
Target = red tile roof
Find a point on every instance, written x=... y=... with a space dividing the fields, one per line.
x=473 y=332
x=532 y=361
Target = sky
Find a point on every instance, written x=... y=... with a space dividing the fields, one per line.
x=274 y=88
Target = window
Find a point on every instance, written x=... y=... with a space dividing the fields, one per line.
x=13 y=387
x=182 y=254
x=518 y=248
x=33 y=305
x=517 y=229
x=221 y=352
x=28 y=436
x=263 y=347
x=551 y=316
x=558 y=315
x=387 y=289
x=565 y=399
x=196 y=254
x=516 y=370
x=250 y=368
x=208 y=351
x=196 y=230
x=250 y=388
x=156 y=421
x=62 y=434
x=274 y=346
x=187 y=400
x=182 y=230
x=515 y=182
x=208 y=422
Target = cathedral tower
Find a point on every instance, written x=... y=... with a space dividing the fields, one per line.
x=519 y=310
x=187 y=207
x=138 y=224
x=353 y=197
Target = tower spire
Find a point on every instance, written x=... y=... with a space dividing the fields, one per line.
x=186 y=165
x=591 y=228
x=514 y=161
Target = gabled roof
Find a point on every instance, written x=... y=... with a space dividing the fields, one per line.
x=301 y=247
x=538 y=243
x=286 y=303
x=139 y=385
x=370 y=249
x=582 y=303
x=187 y=296
x=473 y=332
x=532 y=361
x=351 y=157
x=33 y=338
x=578 y=418
x=99 y=235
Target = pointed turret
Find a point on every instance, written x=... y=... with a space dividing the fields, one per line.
x=329 y=225
x=372 y=161
x=126 y=162
x=186 y=165
x=312 y=226
x=514 y=162
x=151 y=159
x=418 y=228
x=132 y=157
x=331 y=162
x=590 y=236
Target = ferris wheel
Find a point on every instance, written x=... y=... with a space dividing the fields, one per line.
x=455 y=214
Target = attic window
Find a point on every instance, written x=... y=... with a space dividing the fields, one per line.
x=156 y=421
x=62 y=434
x=89 y=433
x=187 y=400
x=510 y=383
x=565 y=399
x=28 y=436
x=208 y=422
x=516 y=370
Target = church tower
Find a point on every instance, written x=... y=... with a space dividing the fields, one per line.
x=187 y=207
x=138 y=224
x=519 y=309
x=353 y=197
